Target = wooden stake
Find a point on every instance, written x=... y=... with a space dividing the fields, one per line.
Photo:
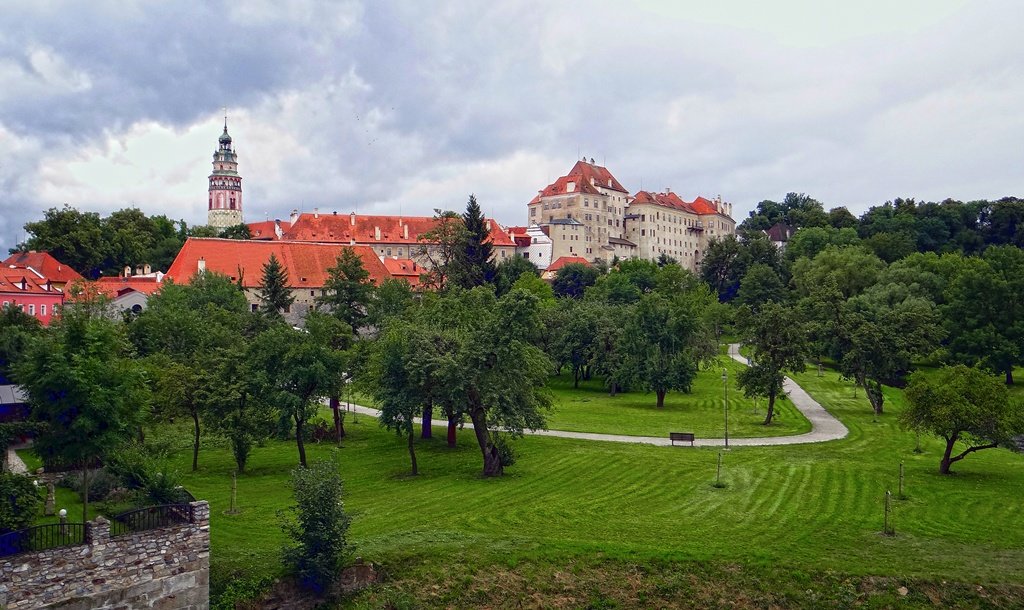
x=902 y=495
x=888 y=531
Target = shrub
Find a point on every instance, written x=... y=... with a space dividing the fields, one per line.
x=101 y=483
x=141 y=468
x=19 y=502
x=506 y=454
x=319 y=526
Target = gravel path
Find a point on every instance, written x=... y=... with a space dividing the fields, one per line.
x=824 y=426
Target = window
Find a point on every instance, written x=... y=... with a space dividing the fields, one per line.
x=503 y=254
x=7 y=303
x=287 y=309
x=312 y=294
x=42 y=310
x=533 y=211
x=254 y=307
x=526 y=255
x=389 y=251
x=31 y=310
x=643 y=231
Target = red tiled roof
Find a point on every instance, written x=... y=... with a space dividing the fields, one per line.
x=699 y=206
x=406 y=269
x=306 y=263
x=114 y=287
x=262 y=230
x=44 y=264
x=362 y=229
x=585 y=178
x=567 y=260
x=13 y=282
x=513 y=231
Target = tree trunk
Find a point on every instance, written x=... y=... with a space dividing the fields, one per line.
x=451 y=431
x=298 y=440
x=771 y=409
x=426 y=427
x=874 y=391
x=661 y=398
x=195 y=440
x=339 y=427
x=946 y=460
x=85 y=492
x=412 y=451
x=1009 y=376
x=612 y=389
x=575 y=377
x=492 y=464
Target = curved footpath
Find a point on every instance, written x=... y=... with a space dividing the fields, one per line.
x=824 y=426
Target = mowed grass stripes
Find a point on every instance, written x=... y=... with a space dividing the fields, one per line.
x=813 y=507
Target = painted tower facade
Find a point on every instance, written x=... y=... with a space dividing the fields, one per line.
x=225 y=185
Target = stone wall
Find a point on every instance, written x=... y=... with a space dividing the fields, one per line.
x=166 y=568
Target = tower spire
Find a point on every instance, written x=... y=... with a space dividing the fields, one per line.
x=225 y=119
x=225 y=193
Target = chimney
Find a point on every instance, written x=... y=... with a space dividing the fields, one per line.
x=668 y=190
x=127 y=271
x=277 y=228
x=316 y=212
x=138 y=270
x=352 y=219
x=294 y=216
x=146 y=269
x=202 y=264
x=487 y=225
x=405 y=231
x=376 y=233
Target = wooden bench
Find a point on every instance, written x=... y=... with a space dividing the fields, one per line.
x=681 y=436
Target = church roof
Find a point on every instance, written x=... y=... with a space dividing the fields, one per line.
x=306 y=263
x=362 y=229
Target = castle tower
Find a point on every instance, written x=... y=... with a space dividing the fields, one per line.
x=225 y=185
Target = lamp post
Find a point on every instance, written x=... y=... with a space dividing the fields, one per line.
x=725 y=382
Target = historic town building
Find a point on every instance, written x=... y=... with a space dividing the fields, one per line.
x=587 y=213
x=396 y=237
x=35 y=282
x=225 y=185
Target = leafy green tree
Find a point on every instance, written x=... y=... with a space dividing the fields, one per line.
x=811 y=241
x=16 y=330
x=761 y=285
x=83 y=385
x=882 y=338
x=963 y=405
x=19 y=501
x=236 y=407
x=665 y=259
x=511 y=269
x=852 y=269
x=294 y=371
x=443 y=249
x=574 y=341
x=609 y=353
x=984 y=311
x=727 y=260
x=389 y=302
x=667 y=341
x=573 y=279
x=318 y=533
x=531 y=282
x=72 y=237
x=273 y=292
x=477 y=267
x=348 y=290
x=336 y=335
x=841 y=218
x=779 y=341
x=240 y=231
x=180 y=388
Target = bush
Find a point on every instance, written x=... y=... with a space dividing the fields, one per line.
x=506 y=454
x=19 y=502
x=319 y=526
x=138 y=467
x=101 y=483
x=320 y=430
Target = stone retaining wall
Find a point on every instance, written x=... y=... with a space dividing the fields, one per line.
x=166 y=568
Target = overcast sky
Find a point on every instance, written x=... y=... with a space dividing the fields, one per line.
x=383 y=107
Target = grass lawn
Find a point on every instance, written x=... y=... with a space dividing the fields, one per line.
x=591 y=409
x=791 y=517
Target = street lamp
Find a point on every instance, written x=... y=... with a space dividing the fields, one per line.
x=725 y=382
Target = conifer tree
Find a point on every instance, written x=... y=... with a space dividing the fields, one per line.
x=348 y=290
x=273 y=293
x=477 y=266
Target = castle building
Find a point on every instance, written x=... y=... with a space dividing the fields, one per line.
x=225 y=185
x=587 y=213
x=583 y=210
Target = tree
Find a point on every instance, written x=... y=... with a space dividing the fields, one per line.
x=477 y=267
x=82 y=385
x=531 y=282
x=179 y=387
x=294 y=372
x=442 y=247
x=852 y=269
x=841 y=218
x=511 y=269
x=19 y=501
x=574 y=341
x=318 y=533
x=779 y=341
x=16 y=330
x=573 y=279
x=389 y=301
x=273 y=292
x=761 y=285
x=72 y=237
x=337 y=336
x=667 y=341
x=348 y=289
x=240 y=231
x=236 y=407
x=962 y=405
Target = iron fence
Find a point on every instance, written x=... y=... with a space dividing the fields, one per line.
x=149 y=518
x=41 y=537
